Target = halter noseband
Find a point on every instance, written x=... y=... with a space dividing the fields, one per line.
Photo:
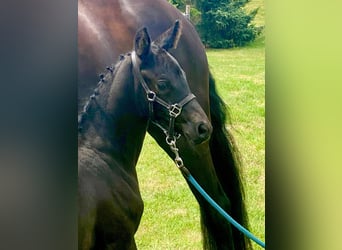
x=174 y=109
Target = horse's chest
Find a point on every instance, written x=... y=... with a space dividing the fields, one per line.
x=111 y=198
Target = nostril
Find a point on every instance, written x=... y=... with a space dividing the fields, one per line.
x=203 y=130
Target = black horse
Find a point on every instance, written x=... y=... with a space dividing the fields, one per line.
x=106 y=30
x=147 y=85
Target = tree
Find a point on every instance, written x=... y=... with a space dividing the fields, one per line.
x=179 y=4
x=224 y=23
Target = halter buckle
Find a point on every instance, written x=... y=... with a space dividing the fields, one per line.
x=151 y=96
x=175 y=110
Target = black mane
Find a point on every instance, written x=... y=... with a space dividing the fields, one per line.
x=105 y=77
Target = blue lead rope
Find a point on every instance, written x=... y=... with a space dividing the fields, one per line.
x=222 y=212
x=171 y=141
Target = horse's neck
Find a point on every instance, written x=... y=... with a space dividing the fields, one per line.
x=115 y=129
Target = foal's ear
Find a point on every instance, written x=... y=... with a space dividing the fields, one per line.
x=142 y=43
x=169 y=39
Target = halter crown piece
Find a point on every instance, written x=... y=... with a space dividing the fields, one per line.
x=174 y=109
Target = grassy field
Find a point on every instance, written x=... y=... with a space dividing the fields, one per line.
x=171 y=215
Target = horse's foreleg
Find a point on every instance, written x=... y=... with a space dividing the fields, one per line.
x=217 y=233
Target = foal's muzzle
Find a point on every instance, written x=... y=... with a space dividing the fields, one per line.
x=195 y=124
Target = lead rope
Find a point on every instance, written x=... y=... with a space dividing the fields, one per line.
x=171 y=141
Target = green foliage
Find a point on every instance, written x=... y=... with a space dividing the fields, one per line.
x=226 y=24
x=179 y=4
x=195 y=14
x=222 y=23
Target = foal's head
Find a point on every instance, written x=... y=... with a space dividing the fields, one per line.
x=166 y=87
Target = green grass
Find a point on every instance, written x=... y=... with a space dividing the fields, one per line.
x=171 y=215
x=259 y=19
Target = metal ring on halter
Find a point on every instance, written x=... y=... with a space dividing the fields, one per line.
x=151 y=96
x=175 y=110
x=171 y=140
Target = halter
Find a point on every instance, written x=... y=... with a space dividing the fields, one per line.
x=174 y=109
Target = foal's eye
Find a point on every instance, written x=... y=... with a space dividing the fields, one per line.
x=163 y=85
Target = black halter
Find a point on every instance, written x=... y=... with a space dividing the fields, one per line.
x=174 y=109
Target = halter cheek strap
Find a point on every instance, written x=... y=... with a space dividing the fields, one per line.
x=174 y=109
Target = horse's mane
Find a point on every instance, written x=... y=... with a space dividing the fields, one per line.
x=105 y=77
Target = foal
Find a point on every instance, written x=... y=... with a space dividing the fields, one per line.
x=147 y=85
